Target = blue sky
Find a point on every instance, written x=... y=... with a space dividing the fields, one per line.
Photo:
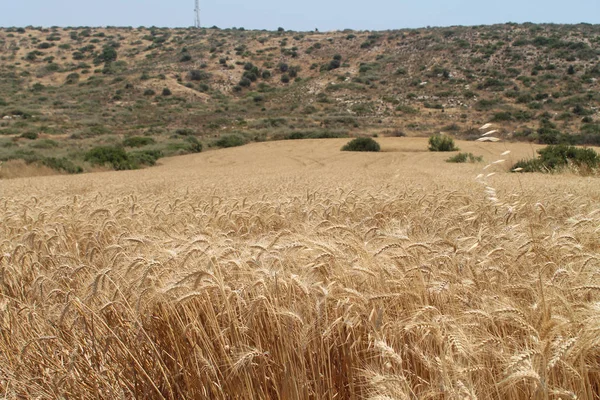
x=297 y=15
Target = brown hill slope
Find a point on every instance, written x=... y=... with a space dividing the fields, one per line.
x=76 y=88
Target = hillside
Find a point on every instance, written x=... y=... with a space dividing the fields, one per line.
x=64 y=91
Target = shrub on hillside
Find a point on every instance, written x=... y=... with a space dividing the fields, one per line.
x=138 y=141
x=316 y=134
x=114 y=156
x=558 y=157
x=194 y=144
x=441 y=143
x=146 y=157
x=185 y=132
x=72 y=78
x=197 y=75
x=62 y=164
x=30 y=135
x=109 y=54
x=233 y=140
x=362 y=144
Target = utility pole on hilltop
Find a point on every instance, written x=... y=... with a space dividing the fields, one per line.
x=197 y=12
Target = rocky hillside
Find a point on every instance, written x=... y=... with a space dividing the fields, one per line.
x=64 y=91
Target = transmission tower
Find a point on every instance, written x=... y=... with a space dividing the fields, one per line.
x=197 y=12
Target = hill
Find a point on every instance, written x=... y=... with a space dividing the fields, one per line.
x=65 y=91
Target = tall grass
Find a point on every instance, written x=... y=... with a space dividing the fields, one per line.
x=426 y=293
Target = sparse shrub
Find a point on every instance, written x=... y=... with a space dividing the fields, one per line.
x=146 y=157
x=62 y=164
x=138 y=141
x=197 y=75
x=232 y=140
x=283 y=67
x=293 y=71
x=245 y=82
x=464 y=158
x=194 y=144
x=31 y=135
x=166 y=92
x=285 y=78
x=72 y=78
x=559 y=157
x=396 y=133
x=52 y=67
x=109 y=54
x=45 y=144
x=184 y=132
x=362 y=144
x=114 y=156
x=251 y=75
x=442 y=143
x=149 y=92
x=334 y=64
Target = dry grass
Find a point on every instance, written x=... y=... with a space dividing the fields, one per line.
x=291 y=270
x=20 y=169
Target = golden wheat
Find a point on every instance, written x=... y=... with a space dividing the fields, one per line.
x=381 y=276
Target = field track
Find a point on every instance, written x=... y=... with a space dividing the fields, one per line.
x=293 y=270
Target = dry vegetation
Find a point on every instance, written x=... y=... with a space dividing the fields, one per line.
x=66 y=90
x=257 y=272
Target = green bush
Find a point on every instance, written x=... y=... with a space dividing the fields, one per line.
x=194 y=144
x=30 y=135
x=109 y=54
x=441 y=143
x=138 y=141
x=464 y=158
x=45 y=144
x=146 y=157
x=197 y=75
x=184 y=132
x=72 y=78
x=317 y=134
x=62 y=164
x=362 y=144
x=233 y=140
x=558 y=157
x=114 y=156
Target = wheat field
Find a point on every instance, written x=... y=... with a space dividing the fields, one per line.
x=291 y=270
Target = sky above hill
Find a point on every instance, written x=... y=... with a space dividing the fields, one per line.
x=296 y=15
